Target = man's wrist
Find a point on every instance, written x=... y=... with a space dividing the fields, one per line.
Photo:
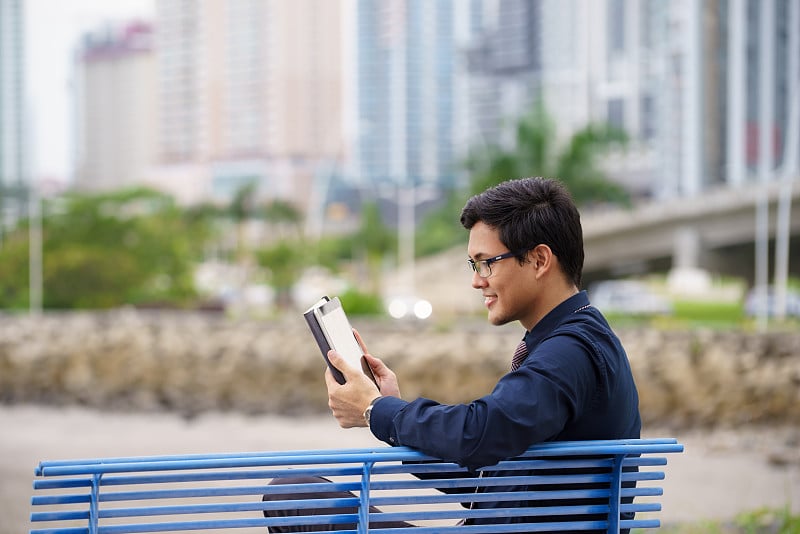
x=368 y=411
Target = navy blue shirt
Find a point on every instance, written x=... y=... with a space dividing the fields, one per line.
x=575 y=384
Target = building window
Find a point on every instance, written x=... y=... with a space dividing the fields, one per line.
x=616 y=113
x=647 y=121
x=616 y=26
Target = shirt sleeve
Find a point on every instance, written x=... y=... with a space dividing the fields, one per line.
x=527 y=406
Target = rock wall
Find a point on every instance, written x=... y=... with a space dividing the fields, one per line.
x=193 y=362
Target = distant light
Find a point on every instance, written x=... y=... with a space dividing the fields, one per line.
x=410 y=307
x=423 y=309
x=398 y=309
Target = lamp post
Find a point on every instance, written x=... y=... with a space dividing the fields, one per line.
x=765 y=146
x=790 y=165
x=404 y=299
x=34 y=250
x=406 y=228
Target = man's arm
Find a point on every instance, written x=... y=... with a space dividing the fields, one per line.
x=528 y=406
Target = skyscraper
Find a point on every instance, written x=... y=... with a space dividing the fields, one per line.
x=13 y=177
x=116 y=111
x=685 y=79
x=249 y=92
x=404 y=81
x=503 y=66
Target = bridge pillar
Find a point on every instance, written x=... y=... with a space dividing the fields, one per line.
x=686 y=275
x=686 y=248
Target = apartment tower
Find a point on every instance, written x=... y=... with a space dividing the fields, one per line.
x=13 y=177
x=116 y=107
x=249 y=92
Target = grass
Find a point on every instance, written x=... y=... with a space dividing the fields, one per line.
x=780 y=521
x=722 y=313
x=698 y=314
x=759 y=521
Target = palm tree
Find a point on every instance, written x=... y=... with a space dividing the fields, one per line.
x=285 y=257
x=242 y=209
x=284 y=218
x=284 y=262
x=535 y=154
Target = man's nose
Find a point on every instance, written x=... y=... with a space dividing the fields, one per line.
x=478 y=282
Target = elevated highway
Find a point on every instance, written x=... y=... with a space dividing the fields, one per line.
x=714 y=231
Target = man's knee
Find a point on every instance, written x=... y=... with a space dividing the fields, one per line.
x=308 y=494
x=280 y=496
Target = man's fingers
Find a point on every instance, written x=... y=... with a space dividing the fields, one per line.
x=360 y=341
x=330 y=380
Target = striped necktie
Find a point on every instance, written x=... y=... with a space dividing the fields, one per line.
x=519 y=355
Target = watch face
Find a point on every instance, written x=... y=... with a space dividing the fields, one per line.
x=368 y=411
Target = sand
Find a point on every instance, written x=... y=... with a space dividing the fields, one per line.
x=720 y=474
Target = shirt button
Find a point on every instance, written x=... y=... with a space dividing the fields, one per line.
x=391 y=440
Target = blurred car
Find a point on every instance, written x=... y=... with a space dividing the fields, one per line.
x=755 y=301
x=629 y=297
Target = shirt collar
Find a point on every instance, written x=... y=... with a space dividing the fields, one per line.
x=556 y=316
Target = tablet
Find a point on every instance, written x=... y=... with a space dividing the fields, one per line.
x=332 y=330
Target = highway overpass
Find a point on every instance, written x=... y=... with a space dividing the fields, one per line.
x=714 y=231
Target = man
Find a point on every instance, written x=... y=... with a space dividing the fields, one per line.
x=570 y=379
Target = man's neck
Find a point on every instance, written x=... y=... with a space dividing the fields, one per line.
x=549 y=301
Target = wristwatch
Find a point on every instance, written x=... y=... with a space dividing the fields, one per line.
x=368 y=411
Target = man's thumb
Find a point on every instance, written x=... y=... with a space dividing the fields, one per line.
x=338 y=362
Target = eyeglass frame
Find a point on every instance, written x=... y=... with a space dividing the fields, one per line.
x=488 y=263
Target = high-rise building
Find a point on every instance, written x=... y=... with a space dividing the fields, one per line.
x=13 y=161
x=610 y=69
x=116 y=111
x=502 y=67
x=404 y=103
x=683 y=78
x=249 y=92
x=760 y=43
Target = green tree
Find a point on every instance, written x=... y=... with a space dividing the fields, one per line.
x=441 y=228
x=101 y=251
x=284 y=257
x=241 y=209
x=535 y=154
x=14 y=282
x=375 y=241
x=367 y=249
x=282 y=222
x=284 y=262
x=281 y=212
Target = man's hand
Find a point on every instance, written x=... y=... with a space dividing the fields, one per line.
x=385 y=377
x=349 y=400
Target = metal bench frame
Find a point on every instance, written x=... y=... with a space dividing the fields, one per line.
x=223 y=491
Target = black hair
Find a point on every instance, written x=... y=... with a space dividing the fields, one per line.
x=528 y=212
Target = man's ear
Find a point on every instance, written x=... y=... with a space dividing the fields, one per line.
x=541 y=257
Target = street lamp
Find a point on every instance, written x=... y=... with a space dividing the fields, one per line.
x=34 y=250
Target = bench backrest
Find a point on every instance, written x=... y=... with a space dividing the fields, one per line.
x=587 y=485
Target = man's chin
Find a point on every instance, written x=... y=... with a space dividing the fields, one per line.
x=498 y=319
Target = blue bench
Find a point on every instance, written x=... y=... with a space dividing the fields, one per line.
x=224 y=491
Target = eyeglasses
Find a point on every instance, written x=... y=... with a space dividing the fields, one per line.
x=484 y=267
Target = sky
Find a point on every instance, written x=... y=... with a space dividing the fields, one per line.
x=53 y=30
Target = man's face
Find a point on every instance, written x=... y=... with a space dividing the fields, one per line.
x=510 y=292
